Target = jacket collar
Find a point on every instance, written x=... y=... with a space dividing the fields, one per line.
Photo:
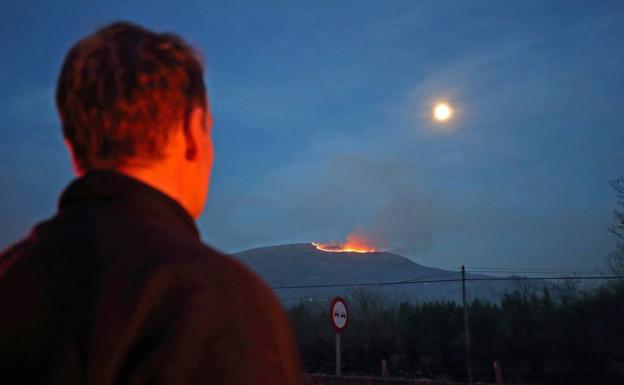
x=129 y=194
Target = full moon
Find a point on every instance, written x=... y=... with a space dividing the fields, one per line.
x=442 y=112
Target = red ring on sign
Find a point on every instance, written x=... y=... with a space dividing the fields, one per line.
x=337 y=328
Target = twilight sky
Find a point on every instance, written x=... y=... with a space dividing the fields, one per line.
x=323 y=126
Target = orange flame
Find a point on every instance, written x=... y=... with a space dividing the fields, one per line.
x=355 y=243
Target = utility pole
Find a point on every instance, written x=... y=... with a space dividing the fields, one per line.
x=466 y=327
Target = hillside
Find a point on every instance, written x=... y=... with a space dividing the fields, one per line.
x=304 y=265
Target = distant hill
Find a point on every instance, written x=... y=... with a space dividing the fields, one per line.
x=304 y=265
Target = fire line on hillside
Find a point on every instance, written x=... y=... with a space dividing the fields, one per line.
x=354 y=244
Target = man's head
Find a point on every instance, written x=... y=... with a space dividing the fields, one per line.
x=133 y=100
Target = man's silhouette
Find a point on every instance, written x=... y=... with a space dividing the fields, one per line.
x=117 y=288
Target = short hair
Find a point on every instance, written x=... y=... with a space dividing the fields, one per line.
x=122 y=89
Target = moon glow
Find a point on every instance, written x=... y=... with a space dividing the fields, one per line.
x=442 y=112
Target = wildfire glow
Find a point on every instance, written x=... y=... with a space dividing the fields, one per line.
x=355 y=243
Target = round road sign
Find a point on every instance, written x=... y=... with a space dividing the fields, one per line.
x=339 y=314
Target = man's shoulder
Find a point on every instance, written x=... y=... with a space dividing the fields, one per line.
x=209 y=268
x=11 y=254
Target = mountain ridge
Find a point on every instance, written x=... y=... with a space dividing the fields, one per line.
x=292 y=268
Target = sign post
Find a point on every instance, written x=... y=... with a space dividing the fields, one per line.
x=498 y=373
x=339 y=318
x=338 y=363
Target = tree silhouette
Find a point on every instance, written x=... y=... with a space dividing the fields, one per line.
x=560 y=334
x=617 y=255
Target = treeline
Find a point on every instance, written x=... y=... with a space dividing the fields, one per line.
x=563 y=335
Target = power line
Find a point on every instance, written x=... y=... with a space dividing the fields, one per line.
x=371 y=284
x=304 y=298
x=530 y=268
x=360 y=284
x=537 y=271
x=411 y=282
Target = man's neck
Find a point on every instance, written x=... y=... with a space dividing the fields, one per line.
x=164 y=179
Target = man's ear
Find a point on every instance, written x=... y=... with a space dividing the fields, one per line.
x=194 y=131
x=75 y=165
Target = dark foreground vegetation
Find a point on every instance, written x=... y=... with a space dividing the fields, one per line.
x=566 y=335
x=324 y=379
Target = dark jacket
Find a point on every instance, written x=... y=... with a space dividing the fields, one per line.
x=118 y=289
